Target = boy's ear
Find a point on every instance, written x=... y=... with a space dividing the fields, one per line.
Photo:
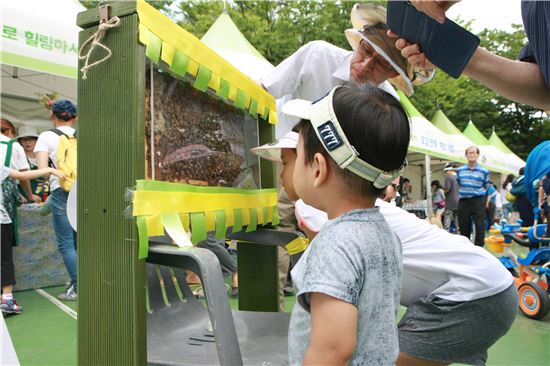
x=320 y=167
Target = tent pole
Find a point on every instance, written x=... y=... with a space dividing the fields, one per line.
x=428 y=175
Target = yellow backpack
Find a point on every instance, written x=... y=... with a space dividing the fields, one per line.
x=66 y=159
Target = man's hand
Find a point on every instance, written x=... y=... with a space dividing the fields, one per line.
x=434 y=9
x=411 y=52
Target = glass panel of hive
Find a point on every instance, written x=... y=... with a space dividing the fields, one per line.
x=199 y=139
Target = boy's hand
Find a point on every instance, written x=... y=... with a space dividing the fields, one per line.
x=333 y=331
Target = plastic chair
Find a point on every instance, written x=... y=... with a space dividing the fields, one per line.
x=182 y=331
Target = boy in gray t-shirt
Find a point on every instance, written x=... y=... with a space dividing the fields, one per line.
x=351 y=146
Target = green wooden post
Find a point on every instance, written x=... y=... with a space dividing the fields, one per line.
x=111 y=136
x=258 y=274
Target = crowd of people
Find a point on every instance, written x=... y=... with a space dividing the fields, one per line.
x=30 y=174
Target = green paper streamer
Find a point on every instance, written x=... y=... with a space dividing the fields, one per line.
x=223 y=91
x=198 y=227
x=265 y=115
x=143 y=240
x=202 y=79
x=253 y=109
x=179 y=64
x=264 y=213
x=237 y=220
x=221 y=224
x=253 y=220
x=240 y=99
x=153 y=48
x=174 y=227
x=275 y=220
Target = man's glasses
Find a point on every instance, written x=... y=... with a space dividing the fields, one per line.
x=379 y=62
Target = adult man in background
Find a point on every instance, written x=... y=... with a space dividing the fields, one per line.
x=450 y=215
x=318 y=66
x=473 y=181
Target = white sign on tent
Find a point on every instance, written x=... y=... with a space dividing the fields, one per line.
x=41 y=35
x=39 y=55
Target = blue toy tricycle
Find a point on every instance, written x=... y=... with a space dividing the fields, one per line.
x=534 y=269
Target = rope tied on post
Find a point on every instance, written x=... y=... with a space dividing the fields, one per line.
x=95 y=41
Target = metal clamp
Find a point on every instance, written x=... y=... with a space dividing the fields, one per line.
x=104 y=13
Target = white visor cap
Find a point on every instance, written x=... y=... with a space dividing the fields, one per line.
x=330 y=133
x=272 y=151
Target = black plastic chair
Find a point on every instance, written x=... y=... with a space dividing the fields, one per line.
x=182 y=331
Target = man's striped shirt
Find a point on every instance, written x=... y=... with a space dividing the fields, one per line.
x=473 y=182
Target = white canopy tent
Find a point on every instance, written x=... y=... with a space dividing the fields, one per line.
x=499 y=144
x=429 y=147
x=225 y=38
x=39 y=55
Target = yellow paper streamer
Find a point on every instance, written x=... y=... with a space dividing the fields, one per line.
x=175 y=37
x=154 y=202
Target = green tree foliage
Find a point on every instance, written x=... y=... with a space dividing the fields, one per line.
x=163 y=5
x=275 y=28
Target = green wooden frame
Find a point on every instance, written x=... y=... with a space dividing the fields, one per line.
x=111 y=128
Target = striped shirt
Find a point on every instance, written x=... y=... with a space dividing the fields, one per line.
x=536 y=21
x=472 y=182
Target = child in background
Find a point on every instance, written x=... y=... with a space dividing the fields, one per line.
x=283 y=151
x=8 y=303
x=352 y=145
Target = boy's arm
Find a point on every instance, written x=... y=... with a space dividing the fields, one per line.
x=333 y=331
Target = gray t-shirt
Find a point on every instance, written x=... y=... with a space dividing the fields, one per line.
x=451 y=197
x=355 y=258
